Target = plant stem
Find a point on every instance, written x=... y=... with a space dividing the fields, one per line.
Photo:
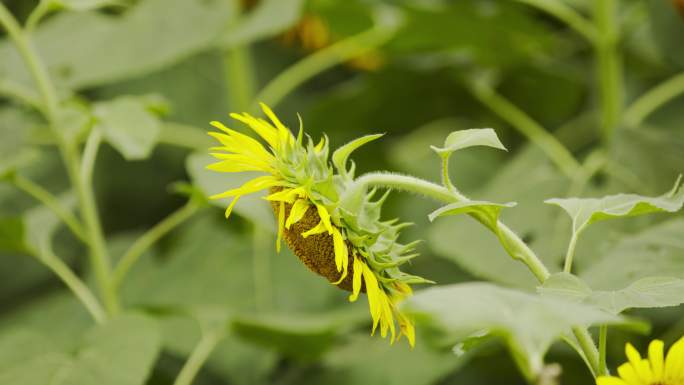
x=51 y=202
x=149 y=238
x=552 y=147
x=588 y=347
x=70 y=155
x=198 y=357
x=240 y=79
x=570 y=254
x=567 y=14
x=312 y=65
x=510 y=240
x=75 y=284
x=647 y=103
x=603 y=342
x=609 y=66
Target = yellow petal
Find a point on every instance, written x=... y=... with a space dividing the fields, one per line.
x=297 y=212
x=356 y=280
x=283 y=132
x=632 y=354
x=281 y=220
x=610 y=380
x=628 y=373
x=288 y=195
x=655 y=356
x=240 y=142
x=229 y=166
x=341 y=254
x=674 y=362
x=318 y=229
x=254 y=185
x=373 y=293
x=266 y=131
x=407 y=329
x=325 y=217
x=229 y=209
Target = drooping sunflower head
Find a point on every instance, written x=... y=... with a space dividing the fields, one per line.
x=656 y=369
x=334 y=227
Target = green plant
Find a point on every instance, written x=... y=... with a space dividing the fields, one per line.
x=466 y=314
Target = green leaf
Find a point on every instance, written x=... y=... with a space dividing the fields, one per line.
x=128 y=126
x=12 y=234
x=339 y=157
x=529 y=323
x=120 y=352
x=585 y=211
x=655 y=251
x=251 y=206
x=269 y=18
x=490 y=211
x=650 y=292
x=459 y=140
x=302 y=336
x=88 y=49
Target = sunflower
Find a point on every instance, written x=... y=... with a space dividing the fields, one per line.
x=654 y=370
x=334 y=229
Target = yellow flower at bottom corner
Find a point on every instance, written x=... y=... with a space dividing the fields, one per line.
x=655 y=369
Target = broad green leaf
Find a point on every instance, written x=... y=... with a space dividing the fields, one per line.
x=87 y=49
x=210 y=182
x=74 y=121
x=529 y=323
x=650 y=292
x=490 y=211
x=655 y=251
x=340 y=156
x=269 y=18
x=302 y=336
x=667 y=26
x=128 y=126
x=459 y=140
x=120 y=352
x=585 y=211
x=361 y=359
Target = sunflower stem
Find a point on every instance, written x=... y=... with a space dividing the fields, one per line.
x=70 y=155
x=199 y=356
x=50 y=201
x=312 y=65
x=149 y=238
x=608 y=66
x=512 y=243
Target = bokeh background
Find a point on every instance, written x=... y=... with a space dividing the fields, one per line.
x=413 y=72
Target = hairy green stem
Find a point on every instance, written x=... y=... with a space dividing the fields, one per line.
x=74 y=284
x=552 y=147
x=566 y=14
x=509 y=239
x=609 y=66
x=198 y=357
x=312 y=65
x=149 y=238
x=647 y=103
x=70 y=155
x=50 y=201
x=603 y=343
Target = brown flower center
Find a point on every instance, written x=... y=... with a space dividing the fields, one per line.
x=317 y=252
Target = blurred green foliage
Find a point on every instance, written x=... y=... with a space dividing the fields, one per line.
x=151 y=74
